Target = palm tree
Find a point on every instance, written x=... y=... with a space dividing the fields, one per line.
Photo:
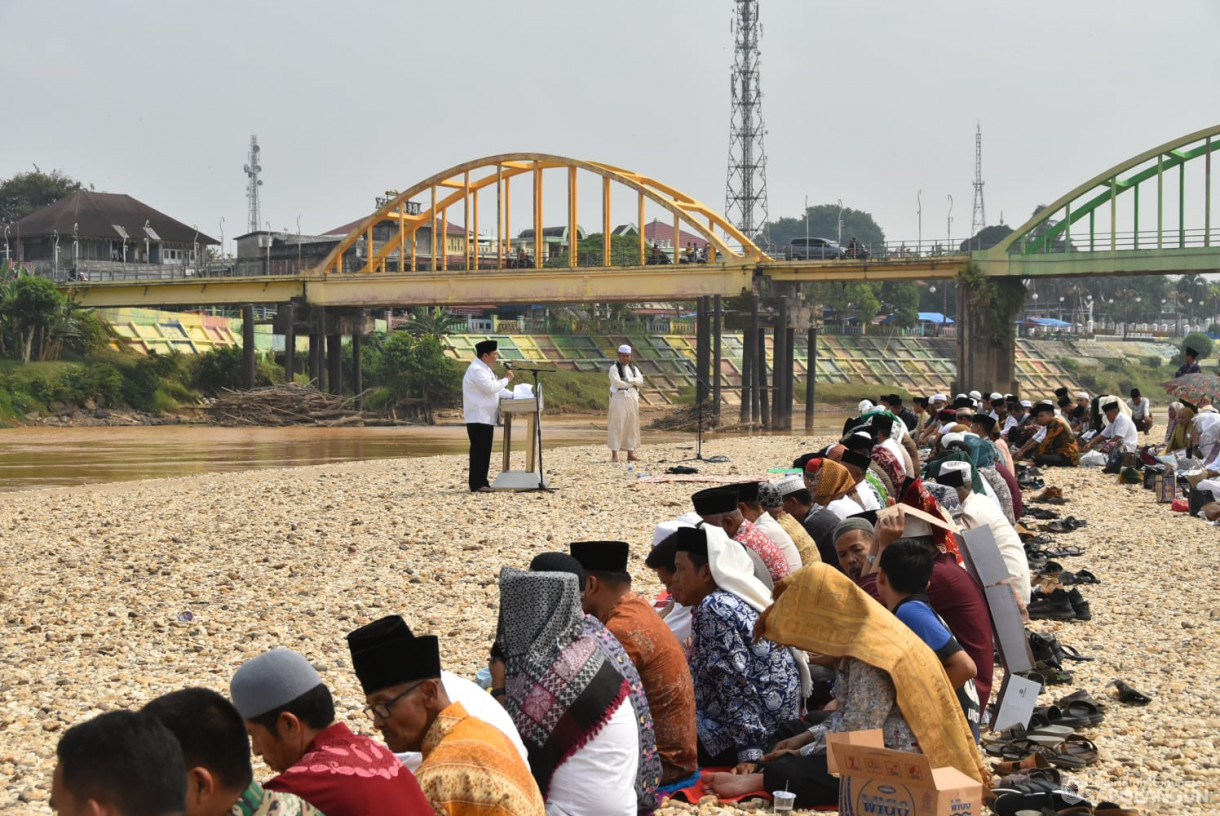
x=435 y=322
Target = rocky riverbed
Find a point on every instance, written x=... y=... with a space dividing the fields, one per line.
x=97 y=581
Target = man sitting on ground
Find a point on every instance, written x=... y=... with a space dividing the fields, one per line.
x=718 y=506
x=979 y=511
x=817 y=521
x=902 y=581
x=752 y=510
x=290 y=716
x=744 y=688
x=1054 y=444
x=772 y=503
x=1121 y=430
x=652 y=647
x=469 y=766
x=119 y=763
x=952 y=592
x=1141 y=411
x=220 y=778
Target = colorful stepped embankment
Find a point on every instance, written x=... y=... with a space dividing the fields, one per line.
x=917 y=365
x=913 y=364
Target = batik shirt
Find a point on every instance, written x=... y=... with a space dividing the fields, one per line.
x=649 y=776
x=1059 y=439
x=867 y=700
x=772 y=556
x=471 y=769
x=743 y=689
x=258 y=801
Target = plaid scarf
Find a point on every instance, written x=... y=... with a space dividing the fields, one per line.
x=560 y=690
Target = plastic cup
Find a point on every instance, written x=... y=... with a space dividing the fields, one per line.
x=784 y=801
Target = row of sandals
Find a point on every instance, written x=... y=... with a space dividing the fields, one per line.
x=1032 y=758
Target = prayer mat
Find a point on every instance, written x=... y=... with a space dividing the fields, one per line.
x=701 y=477
x=691 y=790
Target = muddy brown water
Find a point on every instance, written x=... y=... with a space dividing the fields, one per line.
x=33 y=458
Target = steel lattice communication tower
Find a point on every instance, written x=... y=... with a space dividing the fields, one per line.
x=746 y=189
x=253 y=168
x=978 y=221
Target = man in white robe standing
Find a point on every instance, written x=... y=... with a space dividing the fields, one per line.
x=481 y=393
x=623 y=430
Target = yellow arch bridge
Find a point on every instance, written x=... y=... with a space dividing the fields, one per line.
x=427 y=246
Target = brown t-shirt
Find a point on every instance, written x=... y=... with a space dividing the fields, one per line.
x=657 y=655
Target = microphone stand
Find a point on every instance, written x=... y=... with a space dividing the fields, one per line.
x=698 y=457
x=542 y=486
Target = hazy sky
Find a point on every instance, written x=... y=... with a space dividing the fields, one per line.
x=864 y=101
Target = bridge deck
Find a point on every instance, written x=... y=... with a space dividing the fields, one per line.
x=615 y=284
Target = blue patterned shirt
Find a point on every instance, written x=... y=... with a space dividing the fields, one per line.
x=743 y=690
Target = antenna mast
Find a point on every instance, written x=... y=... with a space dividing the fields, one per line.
x=253 y=168
x=978 y=220
x=746 y=189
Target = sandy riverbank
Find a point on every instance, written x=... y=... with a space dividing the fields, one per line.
x=96 y=577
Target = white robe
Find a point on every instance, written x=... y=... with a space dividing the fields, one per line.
x=623 y=429
x=598 y=779
x=977 y=511
x=780 y=538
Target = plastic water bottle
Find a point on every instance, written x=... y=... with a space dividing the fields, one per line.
x=631 y=471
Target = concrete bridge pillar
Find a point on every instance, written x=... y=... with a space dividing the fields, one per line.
x=290 y=341
x=247 y=346
x=986 y=341
x=334 y=361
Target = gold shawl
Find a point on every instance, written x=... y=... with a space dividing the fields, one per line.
x=800 y=537
x=819 y=609
x=834 y=480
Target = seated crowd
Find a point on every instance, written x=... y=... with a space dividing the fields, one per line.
x=833 y=599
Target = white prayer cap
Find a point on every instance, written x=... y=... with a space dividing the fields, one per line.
x=975 y=395
x=960 y=396
x=995 y=395
x=790 y=484
x=1026 y=404
x=624 y=349
x=955 y=474
x=948 y=439
x=1082 y=395
x=664 y=530
x=864 y=405
x=938 y=398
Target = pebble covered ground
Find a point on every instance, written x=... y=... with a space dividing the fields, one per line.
x=95 y=580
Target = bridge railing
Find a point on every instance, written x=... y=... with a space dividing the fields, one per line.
x=872 y=251
x=1101 y=242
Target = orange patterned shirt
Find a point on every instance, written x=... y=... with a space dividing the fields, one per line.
x=665 y=674
x=471 y=769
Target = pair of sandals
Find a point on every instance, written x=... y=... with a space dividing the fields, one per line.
x=1063 y=551
x=1039 y=513
x=1065 y=525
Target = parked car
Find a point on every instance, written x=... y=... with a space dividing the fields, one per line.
x=809 y=249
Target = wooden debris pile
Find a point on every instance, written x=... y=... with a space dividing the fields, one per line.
x=687 y=419
x=293 y=404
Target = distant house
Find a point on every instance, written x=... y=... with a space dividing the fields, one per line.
x=277 y=252
x=90 y=232
x=554 y=241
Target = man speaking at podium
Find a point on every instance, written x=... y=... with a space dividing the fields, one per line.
x=481 y=393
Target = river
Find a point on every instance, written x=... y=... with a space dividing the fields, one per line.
x=33 y=458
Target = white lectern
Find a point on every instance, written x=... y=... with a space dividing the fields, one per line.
x=530 y=409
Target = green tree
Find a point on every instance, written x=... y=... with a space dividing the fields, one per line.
x=824 y=223
x=25 y=193
x=1200 y=342
x=902 y=299
x=986 y=238
x=433 y=322
x=624 y=251
x=31 y=309
x=413 y=368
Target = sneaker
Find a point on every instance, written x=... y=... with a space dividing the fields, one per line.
x=1055 y=606
x=1079 y=605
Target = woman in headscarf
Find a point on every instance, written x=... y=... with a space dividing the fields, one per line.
x=566 y=699
x=886 y=677
x=835 y=489
x=982 y=458
x=1179 y=423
